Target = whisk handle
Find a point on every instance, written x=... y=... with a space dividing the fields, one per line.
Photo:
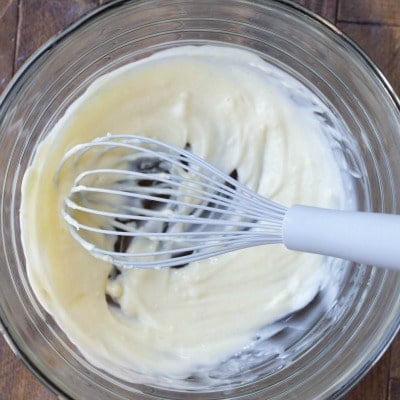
x=367 y=238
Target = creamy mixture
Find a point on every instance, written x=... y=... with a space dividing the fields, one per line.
x=240 y=114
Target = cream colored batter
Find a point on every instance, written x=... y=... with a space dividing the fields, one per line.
x=237 y=112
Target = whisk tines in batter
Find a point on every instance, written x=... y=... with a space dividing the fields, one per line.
x=139 y=202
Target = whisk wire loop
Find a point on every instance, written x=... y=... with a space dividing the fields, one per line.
x=169 y=205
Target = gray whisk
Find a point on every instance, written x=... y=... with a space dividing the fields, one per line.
x=139 y=202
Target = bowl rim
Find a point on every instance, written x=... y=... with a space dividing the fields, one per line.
x=92 y=15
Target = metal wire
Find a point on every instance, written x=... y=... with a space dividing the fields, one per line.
x=138 y=202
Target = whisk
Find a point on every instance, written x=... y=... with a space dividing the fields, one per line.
x=139 y=202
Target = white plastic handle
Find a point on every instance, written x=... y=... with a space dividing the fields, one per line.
x=367 y=238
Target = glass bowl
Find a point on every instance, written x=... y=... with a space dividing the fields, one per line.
x=350 y=336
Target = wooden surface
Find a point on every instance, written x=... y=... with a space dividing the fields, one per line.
x=26 y=24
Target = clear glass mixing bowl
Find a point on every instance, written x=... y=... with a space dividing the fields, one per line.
x=343 y=343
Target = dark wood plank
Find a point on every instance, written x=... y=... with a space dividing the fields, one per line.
x=16 y=381
x=8 y=29
x=382 y=44
x=374 y=386
x=324 y=8
x=394 y=389
x=394 y=383
x=39 y=20
x=385 y=12
x=395 y=359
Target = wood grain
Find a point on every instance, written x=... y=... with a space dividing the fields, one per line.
x=381 y=43
x=394 y=389
x=27 y=24
x=8 y=33
x=16 y=382
x=39 y=20
x=394 y=371
x=376 y=384
x=324 y=8
x=385 y=12
x=395 y=360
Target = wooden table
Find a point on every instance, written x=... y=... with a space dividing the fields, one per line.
x=26 y=24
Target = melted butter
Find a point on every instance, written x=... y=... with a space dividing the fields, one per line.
x=237 y=112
